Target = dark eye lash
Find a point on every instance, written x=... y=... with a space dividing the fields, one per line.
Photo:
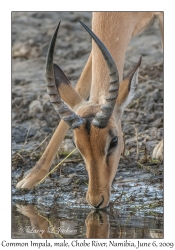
x=114 y=143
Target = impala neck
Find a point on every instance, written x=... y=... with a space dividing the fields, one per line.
x=116 y=38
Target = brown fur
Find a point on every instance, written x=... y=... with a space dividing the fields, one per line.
x=94 y=146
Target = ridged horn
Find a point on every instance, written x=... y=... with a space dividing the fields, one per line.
x=102 y=117
x=63 y=110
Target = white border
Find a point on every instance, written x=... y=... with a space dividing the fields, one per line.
x=5 y=93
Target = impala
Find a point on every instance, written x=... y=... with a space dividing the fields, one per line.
x=96 y=123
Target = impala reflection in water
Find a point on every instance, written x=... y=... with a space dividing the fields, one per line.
x=29 y=222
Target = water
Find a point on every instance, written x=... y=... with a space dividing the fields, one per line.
x=33 y=222
x=58 y=209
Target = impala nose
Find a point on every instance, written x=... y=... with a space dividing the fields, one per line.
x=96 y=204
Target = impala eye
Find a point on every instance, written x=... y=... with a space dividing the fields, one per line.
x=113 y=143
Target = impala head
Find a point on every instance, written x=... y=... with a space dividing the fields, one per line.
x=97 y=128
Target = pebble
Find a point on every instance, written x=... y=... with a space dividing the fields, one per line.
x=35 y=107
x=72 y=175
x=65 y=181
x=80 y=167
x=48 y=180
x=39 y=200
x=67 y=145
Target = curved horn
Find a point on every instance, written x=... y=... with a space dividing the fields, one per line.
x=102 y=117
x=64 y=112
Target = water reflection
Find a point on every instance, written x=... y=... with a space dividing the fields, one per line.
x=38 y=224
x=30 y=222
x=97 y=225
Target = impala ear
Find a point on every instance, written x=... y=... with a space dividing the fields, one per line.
x=60 y=77
x=127 y=90
x=67 y=92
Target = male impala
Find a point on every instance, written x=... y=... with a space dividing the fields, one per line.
x=96 y=123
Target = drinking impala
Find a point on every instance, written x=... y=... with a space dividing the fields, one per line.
x=96 y=123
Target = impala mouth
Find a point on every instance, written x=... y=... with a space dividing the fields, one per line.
x=98 y=206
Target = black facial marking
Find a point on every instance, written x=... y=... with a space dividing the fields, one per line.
x=113 y=145
x=88 y=119
x=88 y=126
